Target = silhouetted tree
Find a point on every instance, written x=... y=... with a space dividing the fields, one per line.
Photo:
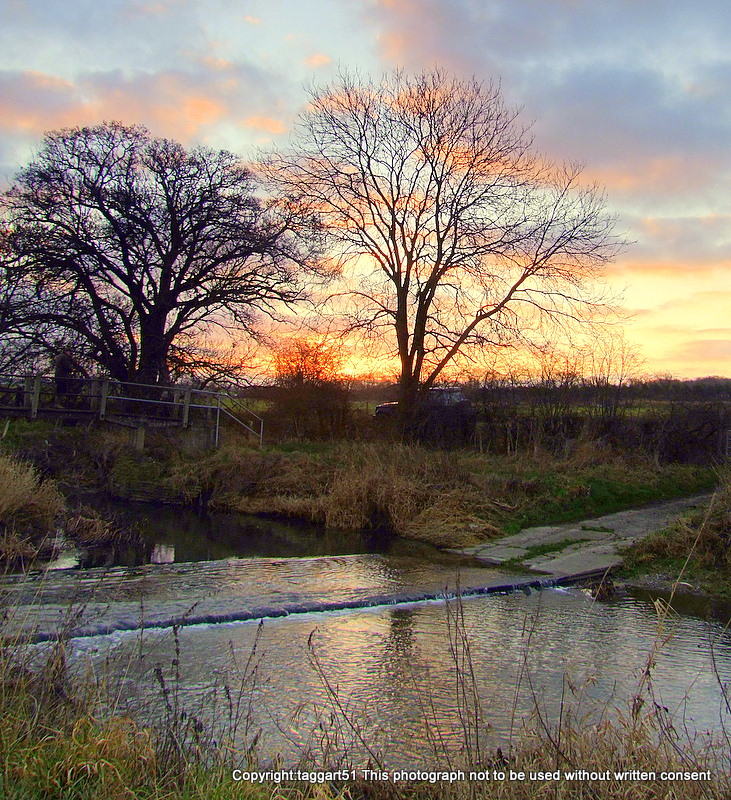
x=452 y=233
x=313 y=397
x=129 y=244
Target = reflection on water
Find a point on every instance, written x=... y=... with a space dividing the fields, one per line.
x=233 y=589
x=394 y=670
x=170 y=534
x=339 y=641
x=162 y=554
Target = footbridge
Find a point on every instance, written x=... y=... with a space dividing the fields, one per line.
x=132 y=405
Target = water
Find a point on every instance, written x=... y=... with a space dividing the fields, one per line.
x=389 y=674
x=95 y=601
x=167 y=535
x=352 y=663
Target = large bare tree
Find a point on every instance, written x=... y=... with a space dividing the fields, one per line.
x=135 y=248
x=450 y=231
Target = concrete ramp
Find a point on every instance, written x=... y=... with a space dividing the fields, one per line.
x=583 y=548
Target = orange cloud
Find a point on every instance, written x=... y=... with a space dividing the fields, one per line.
x=667 y=174
x=659 y=268
x=152 y=9
x=682 y=332
x=317 y=60
x=166 y=103
x=34 y=102
x=217 y=64
x=265 y=124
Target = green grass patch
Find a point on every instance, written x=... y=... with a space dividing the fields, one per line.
x=571 y=493
x=537 y=550
x=696 y=548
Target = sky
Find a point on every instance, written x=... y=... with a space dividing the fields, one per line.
x=638 y=91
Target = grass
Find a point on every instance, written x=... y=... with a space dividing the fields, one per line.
x=571 y=491
x=697 y=545
x=456 y=498
x=29 y=509
x=451 y=499
x=537 y=550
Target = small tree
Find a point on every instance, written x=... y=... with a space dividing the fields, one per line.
x=313 y=397
x=131 y=243
x=451 y=233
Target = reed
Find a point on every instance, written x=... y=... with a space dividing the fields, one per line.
x=29 y=509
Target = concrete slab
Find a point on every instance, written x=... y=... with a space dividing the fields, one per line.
x=589 y=547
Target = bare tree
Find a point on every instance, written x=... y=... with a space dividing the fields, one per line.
x=130 y=244
x=451 y=233
x=313 y=395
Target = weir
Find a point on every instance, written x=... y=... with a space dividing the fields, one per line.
x=396 y=669
x=70 y=604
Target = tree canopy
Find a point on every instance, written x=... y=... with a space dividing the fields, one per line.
x=134 y=247
x=450 y=231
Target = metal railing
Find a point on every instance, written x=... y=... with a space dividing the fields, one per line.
x=124 y=403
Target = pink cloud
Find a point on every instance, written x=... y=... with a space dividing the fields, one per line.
x=32 y=102
x=317 y=60
x=265 y=124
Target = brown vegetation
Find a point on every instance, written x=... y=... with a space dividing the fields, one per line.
x=89 y=528
x=451 y=499
x=698 y=545
x=29 y=508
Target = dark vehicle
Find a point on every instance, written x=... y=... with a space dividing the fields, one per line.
x=443 y=416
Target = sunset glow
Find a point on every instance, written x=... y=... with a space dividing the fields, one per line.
x=637 y=93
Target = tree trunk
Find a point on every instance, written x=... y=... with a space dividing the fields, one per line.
x=152 y=367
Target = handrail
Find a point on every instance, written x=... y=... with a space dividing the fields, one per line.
x=97 y=397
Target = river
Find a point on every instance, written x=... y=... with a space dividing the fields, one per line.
x=364 y=653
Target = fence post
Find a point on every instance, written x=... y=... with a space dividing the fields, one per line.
x=94 y=393
x=186 y=407
x=218 y=419
x=103 y=399
x=36 y=397
x=28 y=391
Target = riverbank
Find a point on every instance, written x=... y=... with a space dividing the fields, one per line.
x=447 y=499
x=58 y=739
x=593 y=547
x=692 y=553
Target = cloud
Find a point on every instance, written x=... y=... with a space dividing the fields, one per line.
x=265 y=124
x=679 y=245
x=317 y=60
x=206 y=102
x=637 y=91
x=706 y=350
x=28 y=100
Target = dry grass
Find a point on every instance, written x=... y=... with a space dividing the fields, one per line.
x=87 y=526
x=29 y=508
x=699 y=544
x=25 y=500
x=414 y=492
x=452 y=499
